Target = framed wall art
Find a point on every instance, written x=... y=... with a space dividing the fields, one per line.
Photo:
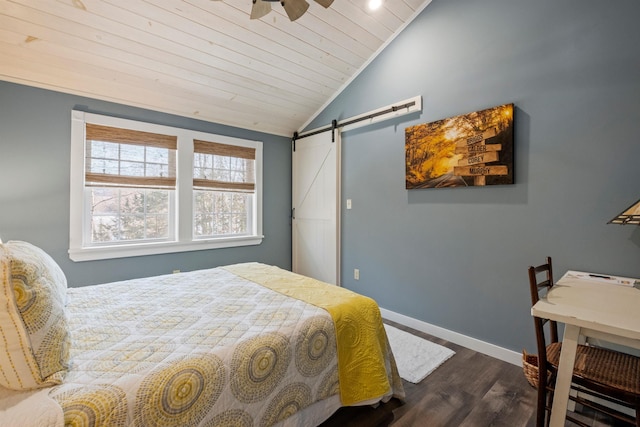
x=474 y=149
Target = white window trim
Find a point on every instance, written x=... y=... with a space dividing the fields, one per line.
x=184 y=240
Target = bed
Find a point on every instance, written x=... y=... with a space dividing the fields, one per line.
x=244 y=345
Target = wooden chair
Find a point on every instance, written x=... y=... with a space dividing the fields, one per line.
x=606 y=374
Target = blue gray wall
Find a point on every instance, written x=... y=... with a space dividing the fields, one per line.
x=457 y=258
x=35 y=140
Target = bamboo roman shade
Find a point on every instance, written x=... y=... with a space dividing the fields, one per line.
x=223 y=167
x=131 y=158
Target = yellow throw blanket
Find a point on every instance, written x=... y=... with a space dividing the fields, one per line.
x=363 y=349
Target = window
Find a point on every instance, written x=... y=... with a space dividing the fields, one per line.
x=130 y=182
x=224 y=185
x=140 y=189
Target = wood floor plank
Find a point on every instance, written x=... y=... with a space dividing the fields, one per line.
x=470 y=389
x=496 y=408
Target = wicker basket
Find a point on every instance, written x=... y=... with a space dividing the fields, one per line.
x=530 y=368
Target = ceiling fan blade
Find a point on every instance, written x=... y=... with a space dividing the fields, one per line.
x=295 y=8
x=259 y=9
x=325 y=3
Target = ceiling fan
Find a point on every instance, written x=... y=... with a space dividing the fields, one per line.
x=294 y=8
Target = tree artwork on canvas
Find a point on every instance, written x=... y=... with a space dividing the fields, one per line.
x=474 y=149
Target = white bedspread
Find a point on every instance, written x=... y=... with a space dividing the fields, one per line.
x=164 y=351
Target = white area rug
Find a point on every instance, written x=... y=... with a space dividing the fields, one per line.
x=416 y=357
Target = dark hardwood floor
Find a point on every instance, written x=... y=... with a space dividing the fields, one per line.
x=470 y=389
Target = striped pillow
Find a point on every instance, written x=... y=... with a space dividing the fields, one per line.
x=34 y=339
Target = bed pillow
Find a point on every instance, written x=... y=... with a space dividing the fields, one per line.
x=34 y=337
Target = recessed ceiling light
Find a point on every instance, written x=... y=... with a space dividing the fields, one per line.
x=375 y=4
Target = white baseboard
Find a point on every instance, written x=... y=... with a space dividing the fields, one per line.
x=474 y=344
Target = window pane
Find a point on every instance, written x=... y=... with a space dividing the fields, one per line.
x=157 y=155
x=237 y=176
x=239 y=222
x=106 y=150
x=237 y=164
x=132 y=227
x=132 y=169
x=132 y=152
x=199 y=173
x=239 y=217
x=157 y=202
x=104 y=228
x=104 y=166
x=155 y=169
x=157 y=226
x=104 y=201
x=131 y=202
x=203 y=224
x=222 y=223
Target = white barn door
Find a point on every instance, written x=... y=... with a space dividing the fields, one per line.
x=316 y=207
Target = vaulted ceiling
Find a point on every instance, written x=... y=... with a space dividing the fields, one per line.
x=198 y=58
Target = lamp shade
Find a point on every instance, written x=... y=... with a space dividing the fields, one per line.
x=631 y=215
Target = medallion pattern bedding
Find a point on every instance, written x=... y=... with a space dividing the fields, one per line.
x=206 y=348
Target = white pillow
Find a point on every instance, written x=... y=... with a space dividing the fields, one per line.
x=34 y=336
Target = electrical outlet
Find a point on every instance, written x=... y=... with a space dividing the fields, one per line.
x=356 y=274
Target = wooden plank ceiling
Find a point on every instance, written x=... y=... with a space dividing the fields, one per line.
x=198 y=58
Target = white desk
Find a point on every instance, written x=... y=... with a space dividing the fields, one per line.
x=588 y=308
